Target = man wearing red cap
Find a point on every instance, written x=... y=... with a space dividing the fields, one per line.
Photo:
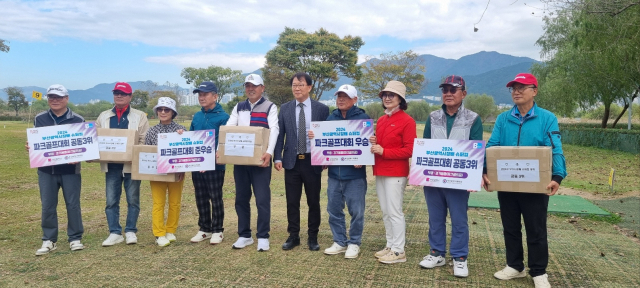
x=122 y=116
x=541 y=128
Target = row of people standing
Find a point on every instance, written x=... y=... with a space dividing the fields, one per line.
x=289 y=147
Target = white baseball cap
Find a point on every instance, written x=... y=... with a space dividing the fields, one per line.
x=254 y=79
x=347 y=89
x=57 y=89
x=165 y=102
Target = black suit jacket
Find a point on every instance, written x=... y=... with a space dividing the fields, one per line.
x=287 y=139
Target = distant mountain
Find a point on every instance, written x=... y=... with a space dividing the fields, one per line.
x=99 y=92
x=484 y=72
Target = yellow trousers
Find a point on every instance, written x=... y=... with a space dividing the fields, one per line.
x=159 y=195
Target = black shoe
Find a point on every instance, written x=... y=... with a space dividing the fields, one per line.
x=313 y=244
x=291 y=242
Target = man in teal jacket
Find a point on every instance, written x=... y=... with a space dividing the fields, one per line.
x=526 y=124
x=208 y=184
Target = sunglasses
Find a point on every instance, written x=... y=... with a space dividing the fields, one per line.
x=164 y=110
x=388 y=95
x=55 y=98
x=121 y=94
x=449 y=89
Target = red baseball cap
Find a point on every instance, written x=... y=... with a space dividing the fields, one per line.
x=525 y=79
x=123 y=87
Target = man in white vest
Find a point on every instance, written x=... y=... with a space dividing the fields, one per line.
x=259 y=112
x=453 y=121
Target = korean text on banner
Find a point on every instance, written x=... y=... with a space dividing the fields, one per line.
x=342 y=142
x=455 y=164
x=191 y=151
x=62 y=144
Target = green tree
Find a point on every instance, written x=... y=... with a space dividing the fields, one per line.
x=592 y=55
x=322 y=55
x=374 y=110
x=139 y=99
x=188 y=111
x=406 y=67
x=227 y=80
x=38 y=106
x=481 y=104
x=228 y=107
x=4 y=47
x=276 y=84
x=16 y=98
x=419 y=110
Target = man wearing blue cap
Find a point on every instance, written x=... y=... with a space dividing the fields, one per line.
x=208 y=184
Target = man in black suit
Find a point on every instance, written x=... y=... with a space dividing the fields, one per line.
x=295 y=120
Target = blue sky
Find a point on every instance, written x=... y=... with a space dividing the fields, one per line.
x=83 y=43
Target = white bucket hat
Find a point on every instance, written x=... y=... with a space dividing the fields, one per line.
x=165 y=102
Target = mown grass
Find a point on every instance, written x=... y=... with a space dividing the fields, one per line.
x=576 y=247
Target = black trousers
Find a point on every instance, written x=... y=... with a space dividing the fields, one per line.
x=533 y=209
x=303 y=174
x=259 y=178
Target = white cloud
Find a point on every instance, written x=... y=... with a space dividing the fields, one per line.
x=210 y=25
x=241 y=61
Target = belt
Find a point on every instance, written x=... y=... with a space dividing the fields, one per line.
x=303 y=156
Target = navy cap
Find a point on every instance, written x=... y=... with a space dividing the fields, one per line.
x=206 y=86
x=453 y=80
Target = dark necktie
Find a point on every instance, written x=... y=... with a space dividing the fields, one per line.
x=302 y=131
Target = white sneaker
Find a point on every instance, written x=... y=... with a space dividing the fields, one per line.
x=131 y=237
x=335 y=249
x=171 y=237
x=509 y=273
x=460 y=269
x=200 y=236
x=352 y=251
x=542 y=281
x=432 y=261
x=241 y=242
x=263 y=244
x=216 y=238
x=76 y=245
x=47 y=246
x=162 y=241
x=113 y=239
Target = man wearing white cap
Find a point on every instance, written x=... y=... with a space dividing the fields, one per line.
x=347 y=183
x=65 y=176
x=259 y=112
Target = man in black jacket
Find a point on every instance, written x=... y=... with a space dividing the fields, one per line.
x=65 y=176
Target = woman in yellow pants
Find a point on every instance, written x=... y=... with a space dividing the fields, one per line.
x=165 y=233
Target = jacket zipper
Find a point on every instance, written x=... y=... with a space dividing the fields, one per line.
x=519 y=130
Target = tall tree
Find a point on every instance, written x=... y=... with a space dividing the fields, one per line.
x=4 y=47
x=406 y=67
x=139 y=99
x=16 y=98
x=591 y=53
x=227 y=80
x=322 y=55
x=481 y=104
x=276 y=84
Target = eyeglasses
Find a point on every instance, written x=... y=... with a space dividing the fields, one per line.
x=120 y=94
x=388 y=96
x=519 y=88
x=164 y=110
x=55 y=98
x=298 y=86
x=450 y=89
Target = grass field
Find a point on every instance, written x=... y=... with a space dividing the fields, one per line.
x=583 y=252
